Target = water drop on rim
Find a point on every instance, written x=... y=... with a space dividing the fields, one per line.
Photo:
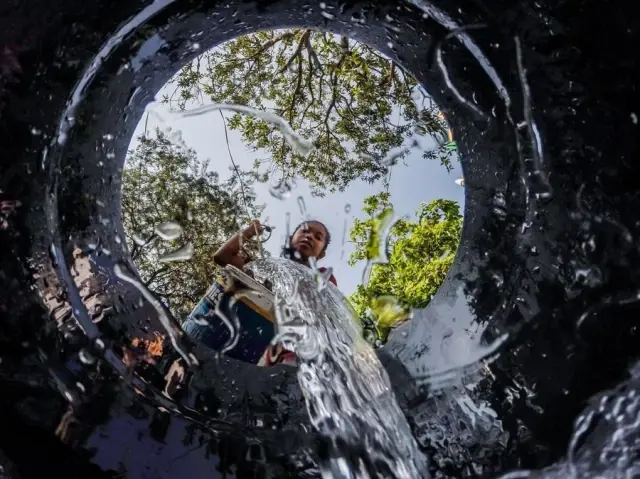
x=86 y=357
x=137 y=239
x=169 y=230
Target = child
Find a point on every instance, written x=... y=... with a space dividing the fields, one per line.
x=309 y=240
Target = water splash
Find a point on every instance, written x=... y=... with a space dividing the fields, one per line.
x=346 y=389
x=300 y=145
x=184 y=253
x=605 y=440
x=168 y=231
x=322 y=277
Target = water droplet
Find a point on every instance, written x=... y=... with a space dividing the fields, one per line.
x=195 y=47
x=117 y=239
x=86 y=357
x=282 y=189
x=323 y=5
x=347 y=208
x=634 y=118
x=301 y=205
x=500 y=212
x=108 y=137
x=169 y=230
x=181 y=254
x=328 y=16
x=138 y=240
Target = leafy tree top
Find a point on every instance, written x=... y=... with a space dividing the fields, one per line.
x=420 y=253
x=353 y=103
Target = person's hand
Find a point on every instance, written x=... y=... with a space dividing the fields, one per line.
x=254 y=228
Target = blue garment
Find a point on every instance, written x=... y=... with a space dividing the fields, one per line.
x=256 y=331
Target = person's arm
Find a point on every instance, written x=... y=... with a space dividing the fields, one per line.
x=230 y=252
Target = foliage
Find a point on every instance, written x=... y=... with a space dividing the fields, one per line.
x=164 y=181
x=420 y=253
x=354 y=104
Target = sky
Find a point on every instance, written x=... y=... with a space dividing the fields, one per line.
x=420 y=180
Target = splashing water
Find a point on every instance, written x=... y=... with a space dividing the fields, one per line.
x=346 y=389
x=605 y=440
x=300 y=145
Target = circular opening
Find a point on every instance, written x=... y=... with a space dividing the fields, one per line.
x=364 y=134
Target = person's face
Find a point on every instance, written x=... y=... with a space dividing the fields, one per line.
x=310 y=240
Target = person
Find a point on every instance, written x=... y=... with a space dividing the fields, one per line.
x=310 y=239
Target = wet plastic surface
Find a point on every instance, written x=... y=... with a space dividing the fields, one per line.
x=548 y=254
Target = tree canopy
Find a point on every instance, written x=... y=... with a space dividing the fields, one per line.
x=165 y=181
x=419 y=252
x=354 y=104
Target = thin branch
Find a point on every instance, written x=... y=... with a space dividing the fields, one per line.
x=271 y=43
x=155 y=274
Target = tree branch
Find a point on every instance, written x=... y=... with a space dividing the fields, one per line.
x=313 y=56
x=272 y=42
x=296 y=91
x=296 y=53
x=155 y=274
